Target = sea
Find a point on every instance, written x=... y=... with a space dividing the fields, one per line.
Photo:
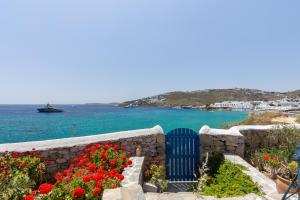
x=21 y=123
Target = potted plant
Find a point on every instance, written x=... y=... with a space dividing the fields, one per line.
x=156 y=176
x=272 y=163
x=256 y=160
x=285 y=177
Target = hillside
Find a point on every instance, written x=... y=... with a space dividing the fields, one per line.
x=205 y=97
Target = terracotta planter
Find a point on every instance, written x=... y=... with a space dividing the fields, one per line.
x=282 y=185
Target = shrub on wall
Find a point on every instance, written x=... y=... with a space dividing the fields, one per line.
x=99 y=168
x=214 y=162
x=287 y=139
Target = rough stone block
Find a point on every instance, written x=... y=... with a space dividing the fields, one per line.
x=148 y=187
x=160 y=138
x=112 y=194
x=133 y=192
x=61 y=160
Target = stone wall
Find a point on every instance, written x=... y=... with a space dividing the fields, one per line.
x=60 y=152
x=221 y=140
x=240 y=140
x=258 y=137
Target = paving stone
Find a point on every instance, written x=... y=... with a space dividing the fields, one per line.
x=148 y=187
x=112 y=194
x=132 y=192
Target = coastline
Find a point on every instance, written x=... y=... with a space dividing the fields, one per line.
x=23 y=123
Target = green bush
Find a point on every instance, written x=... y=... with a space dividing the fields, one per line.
x=230 y=181
x=214 y=162
x=287 y=139
x=156 y=175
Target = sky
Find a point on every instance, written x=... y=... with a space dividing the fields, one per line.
x=74 y=51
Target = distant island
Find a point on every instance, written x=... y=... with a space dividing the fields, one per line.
x=236 y=98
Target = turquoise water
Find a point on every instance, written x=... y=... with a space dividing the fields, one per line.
x=19 y=123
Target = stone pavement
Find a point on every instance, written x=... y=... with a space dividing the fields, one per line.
x=192 y=196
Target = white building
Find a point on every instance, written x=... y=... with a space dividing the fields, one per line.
x=236 y=105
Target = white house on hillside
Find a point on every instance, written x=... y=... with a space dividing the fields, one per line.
x=236 y=105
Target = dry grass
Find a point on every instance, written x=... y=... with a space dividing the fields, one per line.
x=259 y=119
x=298 y=120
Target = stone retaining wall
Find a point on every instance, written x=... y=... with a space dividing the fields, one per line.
x=240 y=140
x=60 y=152
x=221 y=140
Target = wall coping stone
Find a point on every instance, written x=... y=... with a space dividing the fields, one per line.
x=134 y=175
x=213 y=131
x=74 y=141
x=131 y=188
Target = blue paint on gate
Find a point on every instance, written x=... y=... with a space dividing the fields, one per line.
x=182 y=154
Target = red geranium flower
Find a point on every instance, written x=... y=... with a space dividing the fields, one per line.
x=78 y=192
x=92 y=167
x=96 y=191
x=112 y=163
x=97 y=177
x=71 y=166
x=123 y=148
x=59 y=176
x=86 y=179
x=29 y=197
x=103 y=156
x=129 y=162
x=88 y=150
x=45 y=188
x=100 y=170
x=266 y=157
x=121 y=177
x=124 y=158
x=116 y=147
x=274 y=158
x=99 y=184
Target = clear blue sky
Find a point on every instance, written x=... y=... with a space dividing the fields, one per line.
x=108 y=51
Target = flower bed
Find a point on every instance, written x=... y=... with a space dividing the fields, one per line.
x=19 y=173
x=99 y=168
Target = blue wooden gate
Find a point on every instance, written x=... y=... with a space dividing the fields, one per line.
x=182 y=154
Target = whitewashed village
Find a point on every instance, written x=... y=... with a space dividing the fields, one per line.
x=285 y=104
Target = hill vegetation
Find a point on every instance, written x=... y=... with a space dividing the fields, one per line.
x=265 y=118
x=298 y=119
x=205 y=97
